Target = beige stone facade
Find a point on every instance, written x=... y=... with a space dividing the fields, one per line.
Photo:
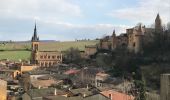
x=90 y=50
x=27 y=68
x=49 y=58
x=135 y=38
x=113 y=42
x=3 y=90
x=105 y=43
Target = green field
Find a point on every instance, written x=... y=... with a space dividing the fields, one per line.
x=15 y=55
x=20 y=49
x=62 y=46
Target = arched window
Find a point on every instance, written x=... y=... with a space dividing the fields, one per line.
x=48 y=57
x=50 y=64
x=46 y=64
x=41 y=57
x=53 y=57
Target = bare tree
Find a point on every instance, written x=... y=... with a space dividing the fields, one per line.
x=72 y=55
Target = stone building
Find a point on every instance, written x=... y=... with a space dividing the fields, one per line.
x=113 y=42
x=26 y=68
x=3 y=90
x=133 y=39
x=90 y=50
x=165 y=87
x=88 y=75
x=100 y=78
x=43 y=58
x=140 y=35
x=106 y=43
x=120 y=41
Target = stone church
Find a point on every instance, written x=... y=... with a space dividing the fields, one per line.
x=43 y=58
x=133 y=39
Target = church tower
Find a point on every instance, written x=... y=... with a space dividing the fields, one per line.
x=34 y=47
x=158 y=24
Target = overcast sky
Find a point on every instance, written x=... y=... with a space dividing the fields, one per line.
x=76 y=19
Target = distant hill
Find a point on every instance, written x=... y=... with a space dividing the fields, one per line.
x=49 y=41
x=27 y=41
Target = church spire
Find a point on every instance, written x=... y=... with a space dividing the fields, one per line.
x=35 y=37
x=113 y=34
x=140 y=28
x=157 y=17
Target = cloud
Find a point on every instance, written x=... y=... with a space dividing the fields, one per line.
x=39 y=8
x=17 y=17
x=145 y=11
x=74 y=19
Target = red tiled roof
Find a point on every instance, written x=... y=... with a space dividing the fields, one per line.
x=114 y=95
x=71 y=71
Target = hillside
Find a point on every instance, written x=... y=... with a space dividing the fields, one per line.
x=21 y=50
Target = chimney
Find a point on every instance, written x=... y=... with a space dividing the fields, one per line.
x=110 y=96
x=84 y=95
x=55 y=91
x=67 y=95
x=39 y=87
x=87 y=86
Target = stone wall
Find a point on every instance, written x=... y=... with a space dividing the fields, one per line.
x=165 y=87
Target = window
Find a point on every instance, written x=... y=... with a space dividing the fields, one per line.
x=50 y=64
x=42 y=64
x=41 y=57
x=53 y=57
x=48 y=57
x=46 y=64
x=58 y=57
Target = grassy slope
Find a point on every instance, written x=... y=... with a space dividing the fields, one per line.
x=50 y=46
x=14 y=46
x=15 y=55
x=62 y=46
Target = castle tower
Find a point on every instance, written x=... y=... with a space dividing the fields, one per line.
x=34 y=47
x=113 y=40
x=158 y=24
x=139 y=40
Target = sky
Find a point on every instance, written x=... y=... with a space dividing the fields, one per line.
x=65 y=20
